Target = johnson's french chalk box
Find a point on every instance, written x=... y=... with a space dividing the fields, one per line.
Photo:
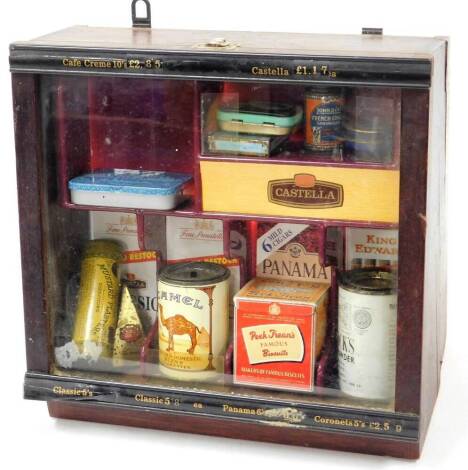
x=312 y=166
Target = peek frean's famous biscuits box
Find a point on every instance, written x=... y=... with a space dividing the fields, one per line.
x=279 y=332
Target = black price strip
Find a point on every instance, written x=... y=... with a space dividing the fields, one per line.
x=298 y=415
x=232 y=66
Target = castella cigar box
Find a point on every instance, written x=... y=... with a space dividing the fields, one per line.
x=371 y=247
x=279 y=329
x=289 y=251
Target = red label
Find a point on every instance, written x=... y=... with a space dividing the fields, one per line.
x=274 y=345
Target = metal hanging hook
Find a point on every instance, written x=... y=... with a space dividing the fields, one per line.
x=141 y=21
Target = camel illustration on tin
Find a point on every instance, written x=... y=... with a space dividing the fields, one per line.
x=179 y=325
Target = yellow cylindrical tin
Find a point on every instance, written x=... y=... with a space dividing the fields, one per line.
x=97 y=310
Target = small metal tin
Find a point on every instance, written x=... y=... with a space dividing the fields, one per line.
x=323 y=119
x=367 y=319
x=193 y=304
x=243 y=144
x=367 y=145
x=162 y=190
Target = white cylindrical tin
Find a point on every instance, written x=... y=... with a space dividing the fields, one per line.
x=367 y=321
x=193 y=304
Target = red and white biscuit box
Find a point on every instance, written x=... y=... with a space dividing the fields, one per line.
x=279 y=331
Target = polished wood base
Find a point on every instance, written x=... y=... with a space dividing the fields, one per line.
x=233 y=429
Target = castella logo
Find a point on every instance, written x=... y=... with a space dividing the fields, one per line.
x=305 y=191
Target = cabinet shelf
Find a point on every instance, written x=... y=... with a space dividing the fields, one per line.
x=188 y=210
x=298 y=158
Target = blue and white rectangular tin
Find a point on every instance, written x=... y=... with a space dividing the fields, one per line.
x=136 y=189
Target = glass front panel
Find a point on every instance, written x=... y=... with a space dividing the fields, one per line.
x=213 y=236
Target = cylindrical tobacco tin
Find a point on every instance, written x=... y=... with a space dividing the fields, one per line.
x=97 y=311
x=368 y=125
x=367 y=320
x=323 y=118
x=368 y=144
x=193 y=304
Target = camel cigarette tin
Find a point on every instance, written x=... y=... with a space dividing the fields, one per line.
x=159 y=190
x=367 y=321
x=253 y=145
x=193 y=319
x=279 y=332
x=97 y=311
x=323 y=111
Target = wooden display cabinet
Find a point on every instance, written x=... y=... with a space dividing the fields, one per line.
x=137 y=99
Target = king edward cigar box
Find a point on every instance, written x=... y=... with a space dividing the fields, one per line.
x=296 y=184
